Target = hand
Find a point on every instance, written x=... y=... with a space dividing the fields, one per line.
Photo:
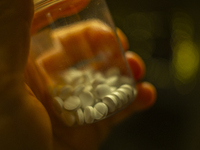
x=25 y=122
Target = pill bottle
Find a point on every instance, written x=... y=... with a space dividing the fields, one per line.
x=77 y=67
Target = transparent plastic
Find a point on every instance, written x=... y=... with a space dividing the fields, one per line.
x=77 y=67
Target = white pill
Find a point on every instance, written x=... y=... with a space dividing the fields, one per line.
x=58 y=104
x=88 y=76
x=102 y=90
x=98 y=81
x=88 y=88
x=87 y=99
x=72 y=75
x=89 y=114
x=65 y=91
x=69 y=118
x=119 y=98
x=113 y=88
x=128 y=92
x=72 y=103
x=128 y=87
x=100 y=110
x=98 y=75
x=78 y=89
x=112 y=71
x=125 y=94
x=80 y=117
x=78 y=81
x=113 y=81
x=111 y=102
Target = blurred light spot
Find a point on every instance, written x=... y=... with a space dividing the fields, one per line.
x=185 y=61
x=182 y=27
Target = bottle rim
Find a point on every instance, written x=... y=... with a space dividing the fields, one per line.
x=40 y=4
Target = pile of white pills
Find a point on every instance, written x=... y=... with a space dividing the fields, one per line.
x=88 y=96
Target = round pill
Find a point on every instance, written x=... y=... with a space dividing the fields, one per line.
x=98 y=75
x=88 y=88
x=58 y=104
x=113 y=88
x=100 y=110
x=89 y=114
x=72 y=103
x=129 y=89
x=127 y=86
x=87 y=99
x=102 y=90
x=124 y=93
x=78 y=81
x=69 y=118
x=113 y=81
x=119 y=98
x=65 y=91
x=98 y=81
x=88 y=76
x=128 y=92
x=111 y=102
x=80 y=117
x=72 y=75
x=78 y=89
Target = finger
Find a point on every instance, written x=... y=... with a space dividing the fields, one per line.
x=136 y=64
x=15 y=21
x=14 y=37
x=123 y=39
x=146 y=97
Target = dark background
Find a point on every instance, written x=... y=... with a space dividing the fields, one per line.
x=165 y=33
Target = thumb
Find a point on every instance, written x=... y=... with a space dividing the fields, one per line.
x=15 y=22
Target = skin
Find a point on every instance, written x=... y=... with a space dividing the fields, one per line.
x=24 y=121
